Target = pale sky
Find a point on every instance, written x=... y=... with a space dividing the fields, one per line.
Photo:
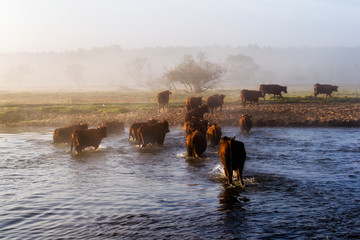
x=58 y=25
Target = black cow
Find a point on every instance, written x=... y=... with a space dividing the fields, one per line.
x=272 y=89
x=324 y=88
x=215 y=101
x=163 y=99
x=250 y=96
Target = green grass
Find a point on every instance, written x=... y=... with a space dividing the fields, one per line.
x=28 y=106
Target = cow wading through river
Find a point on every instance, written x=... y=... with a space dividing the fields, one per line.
x=83 y=138
x=245 y=123
x=152 y=133
x=232 y=155
x=63 y=135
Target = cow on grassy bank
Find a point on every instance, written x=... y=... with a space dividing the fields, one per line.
x=250 y=96
x=324 y=89
x=272 y=89
x=215 y=101
x=163 y=99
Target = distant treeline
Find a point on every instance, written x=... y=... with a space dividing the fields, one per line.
x=116 y=68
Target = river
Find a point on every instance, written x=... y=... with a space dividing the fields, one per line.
x=300 y=183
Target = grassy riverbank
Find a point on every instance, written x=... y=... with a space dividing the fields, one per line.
x=61 y=108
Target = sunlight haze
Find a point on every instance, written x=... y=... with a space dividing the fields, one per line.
x=41 y=25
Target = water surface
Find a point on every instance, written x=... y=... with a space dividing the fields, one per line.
x=301 y=183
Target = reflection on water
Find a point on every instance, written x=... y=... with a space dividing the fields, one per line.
x=299 y=184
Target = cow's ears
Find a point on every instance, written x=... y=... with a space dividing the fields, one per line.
x=233 y=138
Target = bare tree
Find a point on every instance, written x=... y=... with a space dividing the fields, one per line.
x=197 y=75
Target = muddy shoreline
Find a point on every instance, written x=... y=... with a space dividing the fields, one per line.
x=269 y=115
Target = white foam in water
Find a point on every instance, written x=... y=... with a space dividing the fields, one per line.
x=183 y=154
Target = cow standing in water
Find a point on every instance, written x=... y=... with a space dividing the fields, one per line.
x=133 y=129
x=272 y=89
x=196 y=144
x=153 y=133
x=193 y=102
x=87 y=137
x=232 y=155
x=324 y=88
x=196 y=112
x=163 y=99
x=113 y=127
x=195 y=124
x=214 y=134
x=63 y=135
x=245 y=123
x=250 y=96
x=215 y=101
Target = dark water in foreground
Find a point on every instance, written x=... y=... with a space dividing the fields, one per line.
x=300 y=184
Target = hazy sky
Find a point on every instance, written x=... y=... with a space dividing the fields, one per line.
x=57 y=25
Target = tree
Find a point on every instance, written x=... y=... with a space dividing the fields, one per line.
x=75 y=72
x=241 y=68
x=197 y=75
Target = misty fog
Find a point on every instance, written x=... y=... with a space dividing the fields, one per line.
x=114 y=68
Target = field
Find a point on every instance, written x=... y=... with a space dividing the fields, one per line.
x=57 y=108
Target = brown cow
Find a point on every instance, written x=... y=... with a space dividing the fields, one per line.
x=153 y=133
x=195 y=124
x=163 y=99
x=196 y=144
x=196 y=112
x=215 y=101
x=272 y=89
x=324 y=88
x=214 y=134
x=232 y=155
x=87 y=137
x=245 y=123
x=113 y=127
x=193 y=102
x=63 y=135
x=251 y=96
x=135 y=126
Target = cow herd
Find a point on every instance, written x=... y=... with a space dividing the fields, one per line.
x=231 y=152
x=252 y=96
x=198 y=131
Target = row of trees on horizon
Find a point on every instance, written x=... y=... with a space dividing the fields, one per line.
x=192 y=69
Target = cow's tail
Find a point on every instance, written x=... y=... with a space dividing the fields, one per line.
x=72 y=144
x=231 y=162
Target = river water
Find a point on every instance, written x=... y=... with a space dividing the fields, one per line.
x=301 y=183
